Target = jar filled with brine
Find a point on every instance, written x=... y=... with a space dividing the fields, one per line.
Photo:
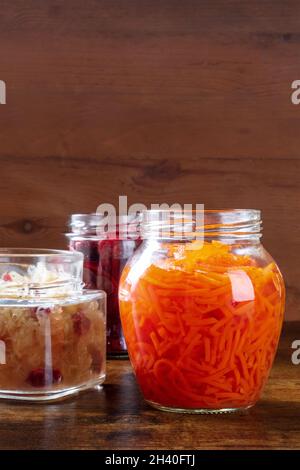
x=106 y=243
x=202 y=305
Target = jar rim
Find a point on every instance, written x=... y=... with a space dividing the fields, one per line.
x=99 y=226
x=82 y=296
x=39 y=252
x=39 y=273
x=97 y=216
x=201 y=223
x=253 y=212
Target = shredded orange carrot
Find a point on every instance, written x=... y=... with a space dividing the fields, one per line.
x=202 y=326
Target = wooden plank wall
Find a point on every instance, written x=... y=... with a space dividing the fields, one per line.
x=161 y=100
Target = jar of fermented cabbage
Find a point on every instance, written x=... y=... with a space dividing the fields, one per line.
x=52 y=331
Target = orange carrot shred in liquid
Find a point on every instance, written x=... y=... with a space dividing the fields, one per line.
x=202 y=326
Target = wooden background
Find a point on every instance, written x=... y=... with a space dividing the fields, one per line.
x=161 y=100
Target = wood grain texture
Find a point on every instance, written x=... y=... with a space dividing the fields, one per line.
x=164 y=101
x=118 y=418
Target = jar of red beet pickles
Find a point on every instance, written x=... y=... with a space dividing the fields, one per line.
x=202 y=310
x=105 y=255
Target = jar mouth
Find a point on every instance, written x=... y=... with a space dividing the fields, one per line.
x=39 y=273
x=42 y=301
x=203 y=224
x=100 y=225
x=31 y=253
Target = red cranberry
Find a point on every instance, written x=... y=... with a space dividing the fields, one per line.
x=37 y=377
x=7 y=277
x=81 y=323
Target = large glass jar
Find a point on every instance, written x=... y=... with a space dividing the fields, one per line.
x=202 y=317
x=105 y=255
x=52 y=332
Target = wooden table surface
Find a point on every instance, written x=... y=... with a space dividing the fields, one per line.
x=116 y=417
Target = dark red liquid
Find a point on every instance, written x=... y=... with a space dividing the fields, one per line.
x=104 y=261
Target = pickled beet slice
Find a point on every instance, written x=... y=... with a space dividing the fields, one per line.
x=92 y=266
x=81 y=324
x=37 y=377
x=88 y=248
x=104 y=260
x=90 y=280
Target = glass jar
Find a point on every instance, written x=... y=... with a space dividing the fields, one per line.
x=52 y=333
x=202 y=312
x=105 y=255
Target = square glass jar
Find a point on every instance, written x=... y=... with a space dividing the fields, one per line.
x=52 y=332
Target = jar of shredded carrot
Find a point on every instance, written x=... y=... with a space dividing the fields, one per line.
x=201 y=305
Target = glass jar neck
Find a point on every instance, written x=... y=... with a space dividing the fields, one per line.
x=228 y=226
x=100 y=226
x=34 y=273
